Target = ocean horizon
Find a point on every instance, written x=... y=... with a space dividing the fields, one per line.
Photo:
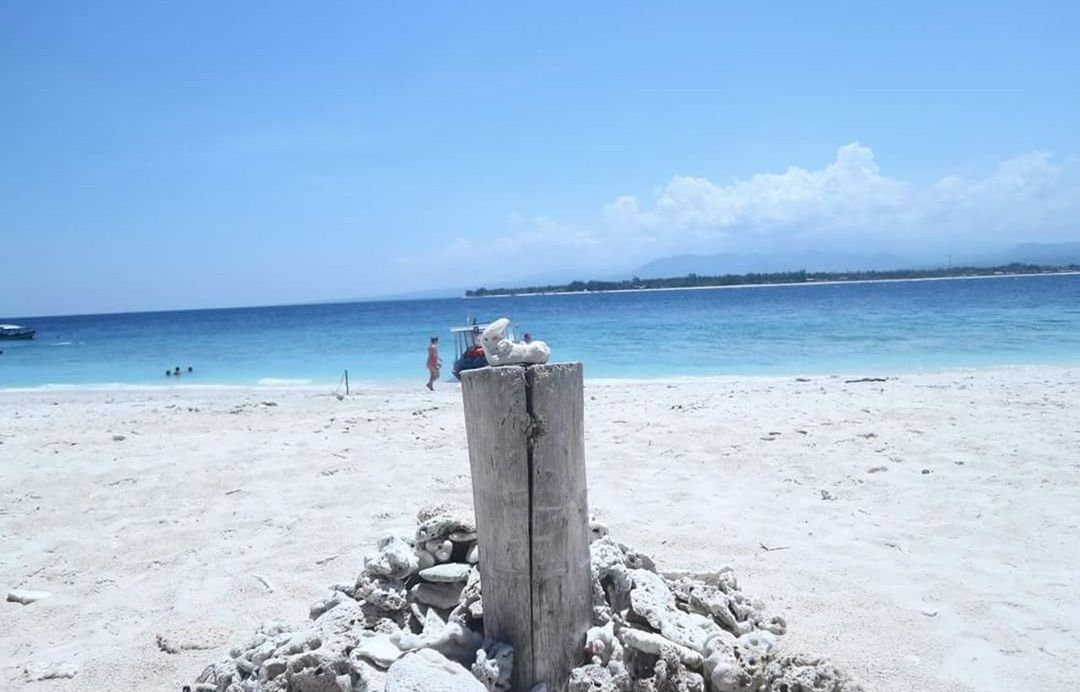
x=876 y=327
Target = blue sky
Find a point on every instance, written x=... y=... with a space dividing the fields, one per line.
x=166 y=155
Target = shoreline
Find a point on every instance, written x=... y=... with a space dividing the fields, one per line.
x=773 y=285
x=328 y=388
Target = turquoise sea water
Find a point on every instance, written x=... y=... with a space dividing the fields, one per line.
x=846 y=328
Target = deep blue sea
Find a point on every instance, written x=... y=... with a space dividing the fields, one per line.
x=868 y=328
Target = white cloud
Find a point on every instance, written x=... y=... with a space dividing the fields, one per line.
x=849 y=192
x=1020 y=193
x=846 y=201
x=848 y=195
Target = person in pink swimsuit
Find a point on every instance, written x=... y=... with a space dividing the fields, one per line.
x=433 y=362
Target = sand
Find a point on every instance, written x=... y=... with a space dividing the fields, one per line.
x=921 y=531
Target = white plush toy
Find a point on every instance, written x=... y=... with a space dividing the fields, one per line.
x=502 y=351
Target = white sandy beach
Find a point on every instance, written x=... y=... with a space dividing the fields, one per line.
x=922 y=532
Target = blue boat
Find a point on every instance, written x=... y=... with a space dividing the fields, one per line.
x=468 y=354
x=13 y=332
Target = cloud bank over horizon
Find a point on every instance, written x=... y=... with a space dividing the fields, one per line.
x=846 y=204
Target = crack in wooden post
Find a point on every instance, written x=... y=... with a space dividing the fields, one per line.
x=525 y=429
x=530 y=438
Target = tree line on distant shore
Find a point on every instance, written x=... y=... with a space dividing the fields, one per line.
x=753 y=279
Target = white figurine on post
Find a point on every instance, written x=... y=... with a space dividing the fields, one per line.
x=500 y=350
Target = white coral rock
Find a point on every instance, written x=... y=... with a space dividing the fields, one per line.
x=451 y=639
x=599 y=643
x=445 y=595
x=385 y=594
x=378 y=649
x=652 y=643
x=26 y=596
x=500 y=350
x=494 y=665
x=49 y=671
x=429 y=671
x=394 y=559
x=439 y=521
x=449 y=572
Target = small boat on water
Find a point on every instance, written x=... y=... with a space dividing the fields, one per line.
x=468 y=354
x=12 y=332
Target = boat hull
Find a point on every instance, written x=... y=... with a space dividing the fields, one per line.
x=462 y=364
x=18 y=336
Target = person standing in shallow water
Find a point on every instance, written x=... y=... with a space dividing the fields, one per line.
x=433 y=362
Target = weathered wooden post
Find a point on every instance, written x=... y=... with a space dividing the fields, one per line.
x=526 y=434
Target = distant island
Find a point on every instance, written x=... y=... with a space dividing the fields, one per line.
x=795 y=277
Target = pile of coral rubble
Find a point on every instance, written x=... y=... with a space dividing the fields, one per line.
x=413 y=621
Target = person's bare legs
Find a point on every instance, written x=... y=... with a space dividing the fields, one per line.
x=433 y=375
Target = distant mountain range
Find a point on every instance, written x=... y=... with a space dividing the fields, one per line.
x=733 y=263
x=1041 y=253
x=730 y=263
x=820 y=261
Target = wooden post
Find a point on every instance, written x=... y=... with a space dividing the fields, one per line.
x=526 y=434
